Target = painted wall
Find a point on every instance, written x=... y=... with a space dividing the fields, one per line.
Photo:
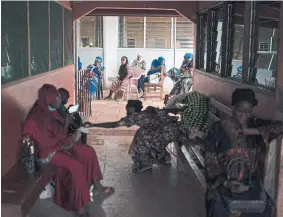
x=17 y=99
x=223 y=89
x=88 y=54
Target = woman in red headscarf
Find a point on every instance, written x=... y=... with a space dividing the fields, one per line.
x=77 y=164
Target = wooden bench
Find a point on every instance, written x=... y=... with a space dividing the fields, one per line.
x=20 y=190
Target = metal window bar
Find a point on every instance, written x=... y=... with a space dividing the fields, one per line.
x=227 y=40
x=214 y=23
x=209 y=45
x=253 y=43
x=198 y=40
x=83 y=92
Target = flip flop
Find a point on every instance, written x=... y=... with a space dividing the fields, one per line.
x=106 y=190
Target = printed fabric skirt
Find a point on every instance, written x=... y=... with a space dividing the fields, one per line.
x=119 y=85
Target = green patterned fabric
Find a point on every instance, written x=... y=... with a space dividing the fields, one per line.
x=196 y=112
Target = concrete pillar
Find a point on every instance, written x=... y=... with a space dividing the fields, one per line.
x=110 y=46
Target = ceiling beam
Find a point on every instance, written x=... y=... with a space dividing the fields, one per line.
x=184 y=8
x=134 y=12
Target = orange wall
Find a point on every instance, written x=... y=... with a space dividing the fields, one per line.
x=223 y=89
x=16 y=100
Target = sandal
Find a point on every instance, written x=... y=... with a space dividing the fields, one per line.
x=105 y=190
x=140 y=169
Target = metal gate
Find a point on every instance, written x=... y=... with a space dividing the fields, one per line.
x=83 y=94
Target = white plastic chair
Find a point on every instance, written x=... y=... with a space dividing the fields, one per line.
x=137 y=72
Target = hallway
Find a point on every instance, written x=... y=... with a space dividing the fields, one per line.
x=164 y=193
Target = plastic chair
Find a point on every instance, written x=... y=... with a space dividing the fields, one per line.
x=137 y=72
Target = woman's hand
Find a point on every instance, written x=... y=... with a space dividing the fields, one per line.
x=87 y=124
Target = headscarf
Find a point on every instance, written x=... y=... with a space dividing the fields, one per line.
x=240 y=69
x=99 y=59
x=160 y=59
x=139 y=54
x=47 y=94
x=123 y=68
x=188 y=56
x=174 y=74
x=244 y=95
x=137 y=104
x=195 y=114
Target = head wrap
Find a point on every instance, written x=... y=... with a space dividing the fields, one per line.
x=244 y=95
x=188 y=56
x=137 y=104
x=99 y=59
x=139 y=54
x=174 y=74
x=123 y=68
x=47 y=94
x=160 y=59
x=240 y=69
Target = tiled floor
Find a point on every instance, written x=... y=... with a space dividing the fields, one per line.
x=164 y=193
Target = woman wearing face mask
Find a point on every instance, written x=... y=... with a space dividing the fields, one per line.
x=241 y=138
x=77 y=167
x=120 y=85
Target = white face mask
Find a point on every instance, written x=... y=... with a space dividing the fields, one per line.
x=51 y=109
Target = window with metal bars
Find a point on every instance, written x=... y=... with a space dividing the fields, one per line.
x=131 y=32
x=263 y=63
x=158 y=32
x=27 y=34
x=184 y=33
x=91 y=28
x=202 y=49
x=216 y=39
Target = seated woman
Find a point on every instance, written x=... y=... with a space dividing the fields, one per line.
x=63 y=111
x=157 y=130
x=187 y=64
x=120 y=85
x=239 y=138
x=96 y=71
x=77 y=167
x=182 y=77
x=153 y=75
x=140 y=63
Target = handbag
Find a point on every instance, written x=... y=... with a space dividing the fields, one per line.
x=28 y=158
x=251 y=201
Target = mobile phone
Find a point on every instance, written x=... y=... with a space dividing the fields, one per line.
x=73 y=108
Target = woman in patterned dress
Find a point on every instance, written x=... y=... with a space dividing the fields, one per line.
x=240 y=137
x=120 y=85
x=182 y=78
x=157 y=130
